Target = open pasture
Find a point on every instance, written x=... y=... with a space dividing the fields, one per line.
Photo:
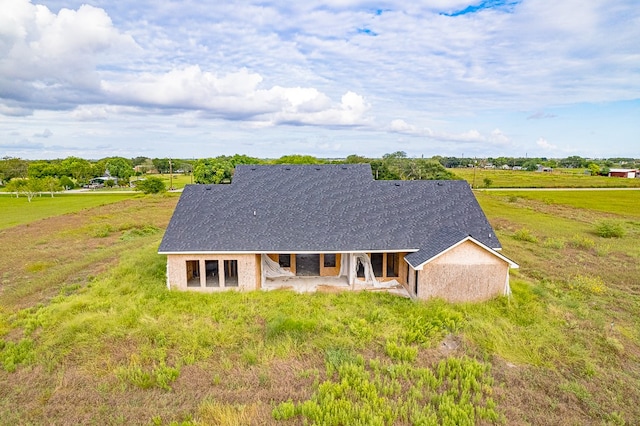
x=89 y=333
x=18 y=211
x=563 y=178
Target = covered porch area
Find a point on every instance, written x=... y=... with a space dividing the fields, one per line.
x=309 y=272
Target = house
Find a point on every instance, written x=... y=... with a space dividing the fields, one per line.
x=624 y=173
x=302 y=225
x=99 y=182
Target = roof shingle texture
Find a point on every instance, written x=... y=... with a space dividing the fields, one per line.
x=327 y=208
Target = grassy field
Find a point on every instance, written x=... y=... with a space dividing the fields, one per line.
x=89 y=333
x=564 y=178
x=17 y=211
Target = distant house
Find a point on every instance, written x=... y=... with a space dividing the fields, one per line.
x=624 y=173
x=544 y=169
x=306 y=226
x=517 y=168
x=99 y=182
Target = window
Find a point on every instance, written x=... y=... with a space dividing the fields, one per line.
x=376 y=263
x=231 y=273
x=284 y=260
x=393 y=263
x=193 y=273
x=330 y=260
x=213 y=274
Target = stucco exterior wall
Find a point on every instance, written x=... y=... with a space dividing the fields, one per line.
x=467 y=273
x=248 y=271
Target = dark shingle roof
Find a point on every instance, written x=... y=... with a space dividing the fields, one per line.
x=328 y=208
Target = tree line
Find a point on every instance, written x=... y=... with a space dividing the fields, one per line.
x=53 y=175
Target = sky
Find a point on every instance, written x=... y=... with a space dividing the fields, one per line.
x=195 y=79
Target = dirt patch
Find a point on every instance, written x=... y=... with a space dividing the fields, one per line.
x=42 y=257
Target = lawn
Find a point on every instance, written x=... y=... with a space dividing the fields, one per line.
x=17 y=211
x=523 y=179
x=89 y=333
x=612 y=201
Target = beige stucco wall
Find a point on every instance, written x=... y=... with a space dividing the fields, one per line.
x=248 y=271
x=467 y=273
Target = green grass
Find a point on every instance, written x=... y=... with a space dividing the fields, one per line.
x=610 y=201
x=118 y=347
x=179 y=180
x=557 y=179
x=18 y=211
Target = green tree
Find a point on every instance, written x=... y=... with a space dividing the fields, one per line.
x=51 y=184
x=381 y=171
x=15 y=185
x=151 y=185
x=27 y=187
x=11 y=168
x=355 y=159
x=78 y=168
x=213 y=170
x=139 y=160
x=41 y=169
x=594 y=169
x=67 y=183
x=161 y=165
x=424 y=169
x=120 y=167
x=298 y=159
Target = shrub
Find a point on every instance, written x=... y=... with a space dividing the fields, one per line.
x=525 y=235
x=400 y=352
x=591 y=284
x=581 y=242
x=151 y=185
x=607 y=229
x=67 y=183
x=603 y=250
x=284 y=411
x=556 y=243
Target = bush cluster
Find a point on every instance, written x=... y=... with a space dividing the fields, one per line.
x=606 y=229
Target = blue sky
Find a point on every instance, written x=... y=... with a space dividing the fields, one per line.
x=163 y=78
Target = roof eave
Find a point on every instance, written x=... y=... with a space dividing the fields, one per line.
x=495 y=252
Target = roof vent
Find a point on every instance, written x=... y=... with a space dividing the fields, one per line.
x=317 y=168
x=253 y=168
x=344 y=167
x=208 y=188
x=397 y=184
x=287 y=168
x=440 y=183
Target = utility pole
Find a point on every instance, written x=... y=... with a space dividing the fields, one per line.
x=475 y=163
x=170 y=175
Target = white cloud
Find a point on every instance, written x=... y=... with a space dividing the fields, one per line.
x=238 y=95
x=495 y=137
x=90 y=112
x=401 y=126
x=544 y=144
x=55 y=53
